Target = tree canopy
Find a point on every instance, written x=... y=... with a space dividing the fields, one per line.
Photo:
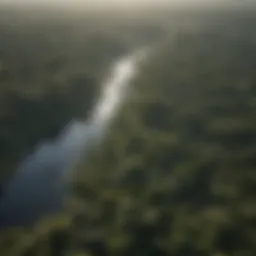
x=176 y=172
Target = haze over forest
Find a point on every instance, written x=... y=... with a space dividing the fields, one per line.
x=120 y=3
x=167 y=164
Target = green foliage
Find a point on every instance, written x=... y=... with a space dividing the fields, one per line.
x=176 y=172
x=48 y=237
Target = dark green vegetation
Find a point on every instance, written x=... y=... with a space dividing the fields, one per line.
x=176 y=172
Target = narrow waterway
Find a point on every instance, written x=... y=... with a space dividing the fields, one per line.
x=37 y=188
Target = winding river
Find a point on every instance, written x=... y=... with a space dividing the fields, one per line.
x=37 y=188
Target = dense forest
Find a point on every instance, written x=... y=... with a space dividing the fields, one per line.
x=175 y=173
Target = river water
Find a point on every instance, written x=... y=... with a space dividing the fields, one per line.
x=37 y=189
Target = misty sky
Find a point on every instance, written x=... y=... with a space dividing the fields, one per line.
x=108 y=2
